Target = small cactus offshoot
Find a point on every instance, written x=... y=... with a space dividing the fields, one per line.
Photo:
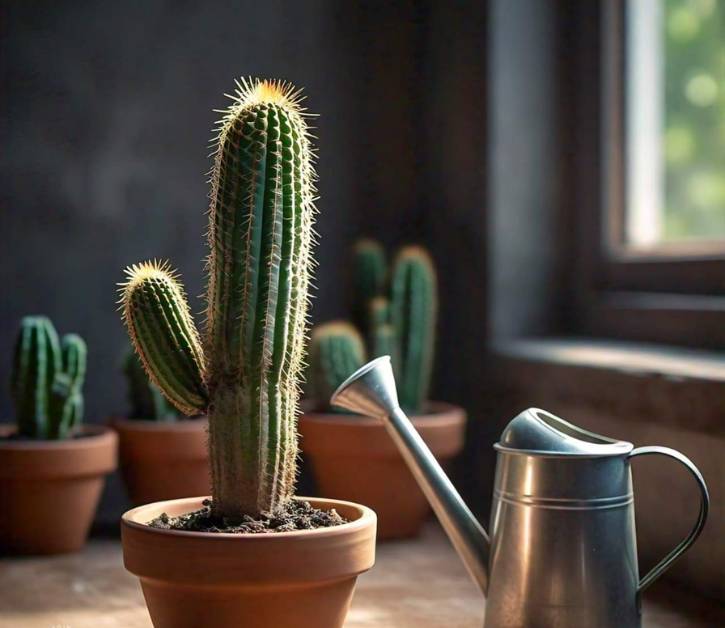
x=47 y=380
x=399 y=321
x=146 y=401
x=336 y=352
x=245 y=375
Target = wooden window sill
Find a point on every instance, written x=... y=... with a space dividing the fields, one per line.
x=682 y=388
x=414 y=584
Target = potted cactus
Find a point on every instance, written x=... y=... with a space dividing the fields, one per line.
x=252 y=554
x=52 y=467
x=162 y=454
x=395 y=316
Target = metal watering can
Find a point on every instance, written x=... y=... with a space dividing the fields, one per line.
x=562 y=549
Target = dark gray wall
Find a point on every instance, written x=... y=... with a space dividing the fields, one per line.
x=106 y=119
x=524 y=174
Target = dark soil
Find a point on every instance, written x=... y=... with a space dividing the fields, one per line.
x=297 y=515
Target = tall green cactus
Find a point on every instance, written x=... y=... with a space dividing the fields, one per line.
x=146 y=401
x=246 y=376
x=336 y=352
x=369 y=276
x=414 y=308
x=47 y=380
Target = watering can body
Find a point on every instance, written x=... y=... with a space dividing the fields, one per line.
x=562 y=549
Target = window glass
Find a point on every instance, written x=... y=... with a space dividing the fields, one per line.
x=674 y=122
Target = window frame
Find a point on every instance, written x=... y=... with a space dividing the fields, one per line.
x=672 y=293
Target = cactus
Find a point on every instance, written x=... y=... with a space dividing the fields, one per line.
x=147 y=402
x=383 y=341
x=413 y=314
x=401 y=324
x=47 y=380
x=246 y=375
x=369 y=275
x=336 y=352
x=381 y=334
x=378 y=314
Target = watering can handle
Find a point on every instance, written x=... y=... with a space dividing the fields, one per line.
x=683 y=545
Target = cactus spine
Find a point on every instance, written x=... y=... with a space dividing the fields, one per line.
x=146 y=400
x=336 y=352
x=247 y=375
x=414 y=308
x=47 y=380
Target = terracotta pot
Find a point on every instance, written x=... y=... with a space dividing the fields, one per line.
x=162 y=460
x=277 y=580
x=49 y=489
x=353 y=458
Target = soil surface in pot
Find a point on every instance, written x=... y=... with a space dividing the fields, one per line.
x=296 y=515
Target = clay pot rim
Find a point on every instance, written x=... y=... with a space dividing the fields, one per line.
x=436 y=412
x=93 y=436
x=276 y=561
x=191 y=424
x=43 y=460
x=366 y=518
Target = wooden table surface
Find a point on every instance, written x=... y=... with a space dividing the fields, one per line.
x=415 y=584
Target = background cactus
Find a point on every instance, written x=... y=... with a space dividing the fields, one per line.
x=413 y=311
x=47 y=380
x=369 y=276
x=378 y=314
x=246 y=376
x=401 y=324
x=384 y=341
x=146 y=401
x=336 y=351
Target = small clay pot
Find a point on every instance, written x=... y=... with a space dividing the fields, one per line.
x=352 y=457
x=163 y=460
x=49 y=489
x=276 y=580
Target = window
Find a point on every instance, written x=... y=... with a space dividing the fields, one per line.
x=652 y=251
x=675 y=123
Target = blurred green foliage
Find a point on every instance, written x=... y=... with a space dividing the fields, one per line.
x=694 y=136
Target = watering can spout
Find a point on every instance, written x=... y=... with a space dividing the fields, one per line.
x=371 y=391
